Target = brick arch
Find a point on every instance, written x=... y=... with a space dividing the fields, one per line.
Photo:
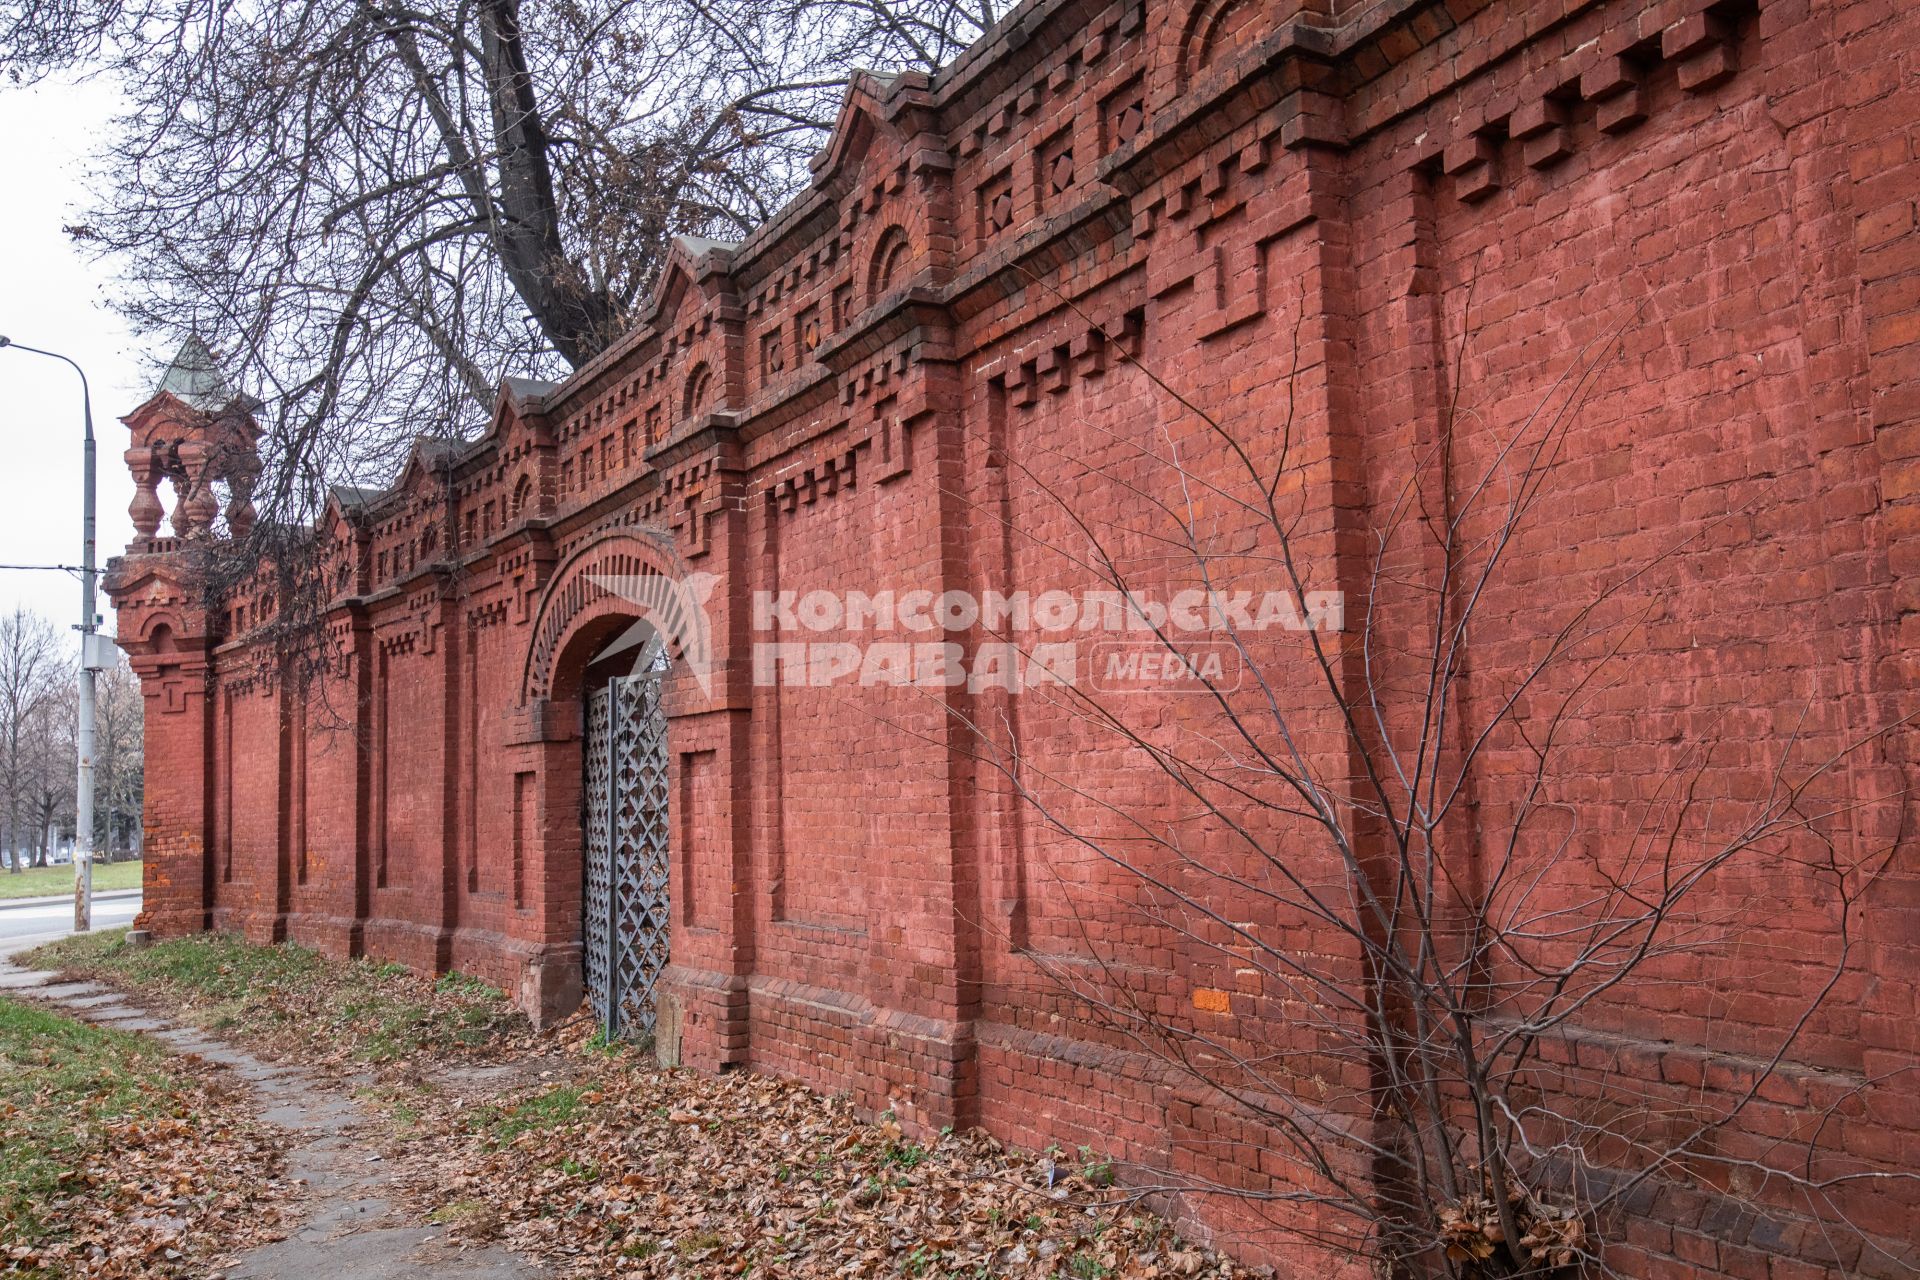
x=578 y=603
x=158 y=633
x=884 y=267
x=699 y=385
x=161 y=623
x=159 y=630
x=1211 y=27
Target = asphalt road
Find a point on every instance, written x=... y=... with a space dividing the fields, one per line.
x=36 y=920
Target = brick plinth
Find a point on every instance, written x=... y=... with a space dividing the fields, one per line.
x=711 y=1017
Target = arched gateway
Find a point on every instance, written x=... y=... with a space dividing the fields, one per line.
x=625 y=915
x=611 y=625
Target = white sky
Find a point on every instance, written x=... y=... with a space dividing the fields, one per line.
x=52 y=297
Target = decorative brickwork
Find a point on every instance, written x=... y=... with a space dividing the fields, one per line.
x=1282 y=208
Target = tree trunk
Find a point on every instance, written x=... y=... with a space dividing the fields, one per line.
x=575 y=317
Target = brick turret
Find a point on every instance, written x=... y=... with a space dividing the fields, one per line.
x=197 y=432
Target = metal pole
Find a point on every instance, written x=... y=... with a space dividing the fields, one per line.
x=83 y=789
x=83 y=797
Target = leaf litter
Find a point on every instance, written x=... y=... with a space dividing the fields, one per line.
x=120 y=1160
x=597 y=1162
x=610 y=1165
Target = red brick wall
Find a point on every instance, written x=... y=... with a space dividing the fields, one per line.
x=1334 y=227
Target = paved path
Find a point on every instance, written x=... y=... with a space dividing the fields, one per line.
x=353 y=1232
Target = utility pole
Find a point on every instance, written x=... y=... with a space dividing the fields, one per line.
x=92 y=659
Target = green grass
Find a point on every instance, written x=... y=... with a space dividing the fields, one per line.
x=1084 y=1266
x=60 y=1081
x=214 y=965
x=381 y=1012
x=45 y=882
x=457 y=1212
x=542 y=1111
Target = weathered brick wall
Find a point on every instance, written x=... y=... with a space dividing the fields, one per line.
x=1348 y=232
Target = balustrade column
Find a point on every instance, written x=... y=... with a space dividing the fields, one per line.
x=196 y=508
x=145 y=509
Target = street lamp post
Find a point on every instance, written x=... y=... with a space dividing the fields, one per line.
x=90 y=662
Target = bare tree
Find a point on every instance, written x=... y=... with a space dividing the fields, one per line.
x=1437 y=929
x=32 y=673
x=375 y=211
x=50 y=754
x=119 y=758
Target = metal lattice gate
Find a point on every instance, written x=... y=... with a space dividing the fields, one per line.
x=626 y=851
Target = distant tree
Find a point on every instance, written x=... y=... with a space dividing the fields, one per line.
x=49 y=781
x=119 y=759
x=32 y=671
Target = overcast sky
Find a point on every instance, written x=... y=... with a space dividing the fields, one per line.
x=52 y=297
